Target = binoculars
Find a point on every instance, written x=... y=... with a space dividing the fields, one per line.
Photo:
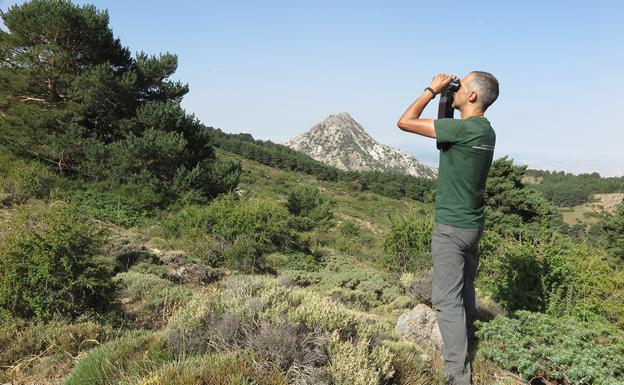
x=445 y=108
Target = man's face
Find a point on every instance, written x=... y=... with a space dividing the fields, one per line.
x=460 y=97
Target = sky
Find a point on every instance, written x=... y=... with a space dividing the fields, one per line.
x=276 y=68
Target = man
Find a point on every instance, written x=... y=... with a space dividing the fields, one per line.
x=466 y=150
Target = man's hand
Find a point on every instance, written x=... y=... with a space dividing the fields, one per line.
x=410 y=120
x=441 y=81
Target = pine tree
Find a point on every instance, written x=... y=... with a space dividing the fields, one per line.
x=74 y=97
x=50 y=45
x=510 y=205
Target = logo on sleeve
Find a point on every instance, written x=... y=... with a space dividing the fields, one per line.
x=485 y=147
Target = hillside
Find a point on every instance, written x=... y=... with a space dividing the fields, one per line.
x=139 y=246
x=590 y=213
x=368 y=210
x=167 y=275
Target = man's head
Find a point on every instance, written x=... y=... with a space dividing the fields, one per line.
x=477 y=90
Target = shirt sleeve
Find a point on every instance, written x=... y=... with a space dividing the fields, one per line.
x=447 y=130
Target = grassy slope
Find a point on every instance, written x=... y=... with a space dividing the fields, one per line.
x=587 y=213
x=368 y=210
x=590 y=213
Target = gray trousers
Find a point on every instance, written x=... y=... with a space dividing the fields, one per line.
x=455 y=255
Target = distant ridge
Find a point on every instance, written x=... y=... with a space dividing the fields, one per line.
x=341 y=142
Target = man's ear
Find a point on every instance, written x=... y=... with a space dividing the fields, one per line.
x=472 y=98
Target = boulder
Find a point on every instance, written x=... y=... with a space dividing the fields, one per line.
x=420 y=325
x=194 y=273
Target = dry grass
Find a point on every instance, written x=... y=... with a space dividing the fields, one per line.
x=485 y=372
x=584 y=213
x=529 y=180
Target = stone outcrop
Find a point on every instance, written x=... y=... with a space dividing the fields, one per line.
x=341 y=142
x=420 y=325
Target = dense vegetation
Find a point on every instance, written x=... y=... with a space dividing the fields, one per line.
x=138 y=246
x=567 y=190
x=388 y=183
x=569 y=350
x=74 y=99
x=608 y=234
x=511 y=208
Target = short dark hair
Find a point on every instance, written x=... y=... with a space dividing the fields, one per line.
x=486 y=86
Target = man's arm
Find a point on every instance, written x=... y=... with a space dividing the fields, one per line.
x=410 y=120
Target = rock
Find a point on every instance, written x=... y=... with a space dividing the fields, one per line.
x=194 y=273
x=127 y=248
x=173 y=257
x=421 y=287
x=156 y=251
x=420 y=325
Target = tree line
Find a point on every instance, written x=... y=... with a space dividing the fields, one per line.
x=567 y=190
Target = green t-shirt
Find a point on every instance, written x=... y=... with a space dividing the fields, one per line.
x=466 y=151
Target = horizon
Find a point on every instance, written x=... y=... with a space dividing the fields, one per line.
x=275 y=69
x=433 y=159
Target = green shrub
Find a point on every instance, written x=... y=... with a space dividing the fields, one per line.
x=189 y=219
x=370 y=287
x=154 y=297
x=609 y=233
x=414 y=366
x=302 y=261
x=20 y=338
x=552 y=274
x=262 y=218
x=136 y=353
x=225 y=216
x=349 y=229
x=359 y=363
x=347 y=281
x=203 y=247
x=122 y=204
x=299 y=278
x=276 y=260
x=579 y=281
x=187 y=228
x=284 y=326
x=512 y=273
x=49 y=264
x=252 y=226
x=407 y=246
x=245 y=254
x=307 y=201
x=213 y=369
x=21 y=179
x=259 y=297
x=584 y=352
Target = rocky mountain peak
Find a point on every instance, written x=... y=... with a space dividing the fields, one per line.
x=342 y=142
x=341 y=118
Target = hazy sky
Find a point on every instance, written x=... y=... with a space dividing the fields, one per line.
x=274 y=69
